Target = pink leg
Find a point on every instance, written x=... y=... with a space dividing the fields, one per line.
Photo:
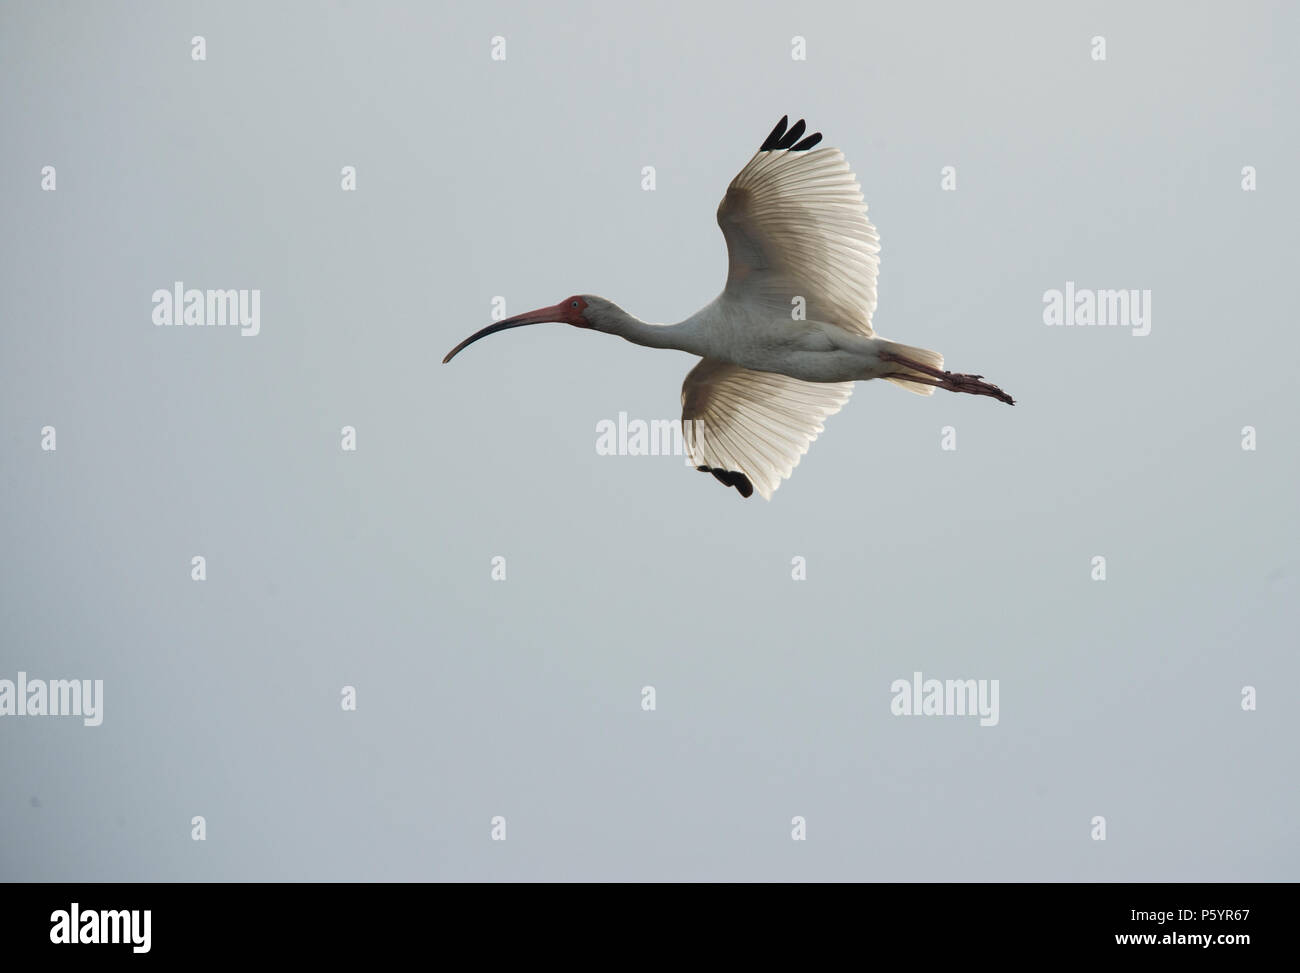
x=952 y=381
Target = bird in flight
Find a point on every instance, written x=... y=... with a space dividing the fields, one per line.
x=791 y=332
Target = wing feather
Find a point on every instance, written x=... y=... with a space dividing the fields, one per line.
x=757 y=424
x=796 y=226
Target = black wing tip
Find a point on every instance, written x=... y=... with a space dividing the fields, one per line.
x=781 y=139
x=770 y=142
x=731 y=478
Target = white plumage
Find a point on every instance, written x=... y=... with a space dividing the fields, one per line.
x=796 y=225
x=756 y=423
x=792 y=330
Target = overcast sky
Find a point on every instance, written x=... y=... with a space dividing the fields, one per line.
x=522 y=698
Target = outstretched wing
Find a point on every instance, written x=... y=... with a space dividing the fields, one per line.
x=749 y=429
x=796 y=226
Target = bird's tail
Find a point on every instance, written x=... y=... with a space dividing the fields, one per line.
x=922 y=356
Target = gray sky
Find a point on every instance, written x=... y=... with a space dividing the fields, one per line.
x=522 y=698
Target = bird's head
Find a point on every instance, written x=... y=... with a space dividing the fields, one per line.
x=580 y=310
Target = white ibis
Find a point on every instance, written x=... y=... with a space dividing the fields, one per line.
x=790 y=333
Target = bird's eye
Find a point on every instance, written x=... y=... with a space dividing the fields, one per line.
x=574 y=304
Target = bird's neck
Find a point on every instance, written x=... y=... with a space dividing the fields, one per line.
x=681 y=336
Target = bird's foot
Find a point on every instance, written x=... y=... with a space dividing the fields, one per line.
x=952 y=381
x=972 y=385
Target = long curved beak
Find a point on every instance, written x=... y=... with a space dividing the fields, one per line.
x=542 y=315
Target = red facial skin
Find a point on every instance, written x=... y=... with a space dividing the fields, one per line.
x=573 y=315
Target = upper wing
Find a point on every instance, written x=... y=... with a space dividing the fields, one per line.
x=750 y=428
x=796 y=226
